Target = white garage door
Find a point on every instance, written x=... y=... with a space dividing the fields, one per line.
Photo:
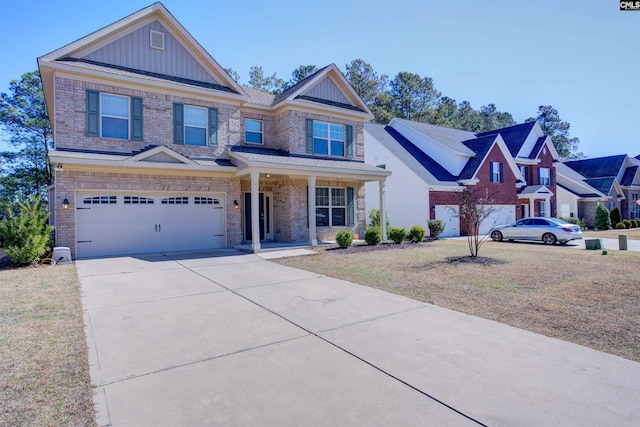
x=449 y=214
x=501 y=215
x=117 y=224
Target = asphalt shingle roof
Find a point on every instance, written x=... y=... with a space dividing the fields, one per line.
x=598 y=167
x=481 y=147
x=440 y=173
x=452 y=138
x=513 y=136
x=285 y=94
x=537 y=147
x=602 y=184
x=627 y=179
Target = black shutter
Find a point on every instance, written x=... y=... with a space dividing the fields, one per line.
x=93 y=113
x=213 y=127
x=309 y=135
x=349 y=141
x=178 y=123
x=136 y=119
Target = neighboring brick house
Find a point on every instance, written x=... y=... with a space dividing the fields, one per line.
x=513 y=166
x=157 y=149
x=616 y=178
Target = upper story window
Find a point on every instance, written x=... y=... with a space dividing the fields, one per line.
x=114 y=116
x=497 y=172
x=545 y=176
x=253 y=131
x=196 y=126
x=329 y=139
x=524 y=171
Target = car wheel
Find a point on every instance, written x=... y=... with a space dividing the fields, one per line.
x=496 y=236
x=549 y=239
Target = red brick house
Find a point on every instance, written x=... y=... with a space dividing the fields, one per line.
x=513 y=166
x=158 y=149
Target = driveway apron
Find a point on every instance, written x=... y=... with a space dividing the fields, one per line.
x=223 y=338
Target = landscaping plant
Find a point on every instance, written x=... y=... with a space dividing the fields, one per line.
x=26 y=235
x=436 y=227
x=398 y=234
x=416 y=234
x=344 y=239
x=602 y=220
x=615 y=216
x=374 y=219
x=372 y=236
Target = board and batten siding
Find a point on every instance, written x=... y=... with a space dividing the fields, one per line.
x=134 y=51
x=326 y=89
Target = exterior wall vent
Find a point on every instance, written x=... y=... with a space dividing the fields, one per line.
x=157 y=40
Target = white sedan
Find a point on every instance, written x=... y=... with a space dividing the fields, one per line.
x=547 y=230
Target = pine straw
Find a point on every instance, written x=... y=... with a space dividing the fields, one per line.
x=44 y=372
x=562 y=292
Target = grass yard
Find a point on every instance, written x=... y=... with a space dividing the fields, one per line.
x=559 y=291
x=44 y=372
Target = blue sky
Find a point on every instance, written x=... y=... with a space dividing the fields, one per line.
x=580 y=56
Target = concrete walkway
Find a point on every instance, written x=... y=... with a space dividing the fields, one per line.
x=220 y=338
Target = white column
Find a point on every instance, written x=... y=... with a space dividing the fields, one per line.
x=255 y=211
x=313 y=238
x=383 y=212
x=532 y=210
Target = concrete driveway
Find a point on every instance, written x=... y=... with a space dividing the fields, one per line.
x=223 y=338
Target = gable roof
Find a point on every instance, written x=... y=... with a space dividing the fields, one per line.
x=598 y=167
x=480 y=146
x=77 y=57
x=575 y=183
x=513 y=136
x=449 y=137
x=602 y=184
x=298 y=92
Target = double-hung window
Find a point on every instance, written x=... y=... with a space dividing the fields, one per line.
x=253 y=131
x=496 y=172
x=545 y=176
x=196 y=126
x=542 y=208
x=331 y=207
x=525 y=173
x=114 y=116
x=329 y=139
x=635 y=209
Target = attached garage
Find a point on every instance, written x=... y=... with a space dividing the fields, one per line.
x=501 y=215
x=449 y=214
x=109 y=224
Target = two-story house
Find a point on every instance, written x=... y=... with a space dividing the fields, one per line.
x=514 y=167
x=615 y=178
x=158 y=149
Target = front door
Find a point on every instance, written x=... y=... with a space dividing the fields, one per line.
x=265 y=201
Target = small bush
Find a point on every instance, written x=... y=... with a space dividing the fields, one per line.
x=636 y=223
x=615 y=216
x=344 y=239
x=416 y=234
x=602 y=220
x=620 y=226
x=436 y=227
x=372 y=236
x=26 y=235
x=627 y=223
x=398 y=234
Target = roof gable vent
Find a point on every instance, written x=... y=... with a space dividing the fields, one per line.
x=157 y=39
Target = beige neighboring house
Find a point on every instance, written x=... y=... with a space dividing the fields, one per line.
x=158 y=149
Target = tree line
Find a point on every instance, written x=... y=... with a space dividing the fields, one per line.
x=24 y=124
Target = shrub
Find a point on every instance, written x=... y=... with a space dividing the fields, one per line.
x=436 y=227
x=372 y=236
x=602 y=220
x=615 y=216
x=620 y=226
x=627 y=223
x=636 y=223
x=582 y=224
x=26 y=235
x=344 y=239
x=374 y=219
x=416 y=234
x=398 y=234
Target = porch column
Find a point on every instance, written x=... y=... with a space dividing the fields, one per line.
x=383 y=212
x=532 y=209
x=311 y=196
x=255 y=211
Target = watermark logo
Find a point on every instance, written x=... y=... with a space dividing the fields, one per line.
x=629 y=5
